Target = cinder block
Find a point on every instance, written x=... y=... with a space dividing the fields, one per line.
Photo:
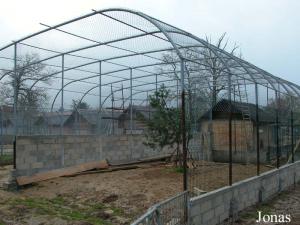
x=219 y=210
x=208 y=215
x=37 y=165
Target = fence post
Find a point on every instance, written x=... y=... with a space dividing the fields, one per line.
x=257 y=132
x=100 y=99
x=230 y=130
x=1 y=113
x=183 y=127
x=277 y=131
x=292 y=135
x=15 y=105
x=62 y=110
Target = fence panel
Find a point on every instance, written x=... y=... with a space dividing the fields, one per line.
x=173 y=211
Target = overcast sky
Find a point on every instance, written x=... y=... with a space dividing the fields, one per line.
x=266 y=30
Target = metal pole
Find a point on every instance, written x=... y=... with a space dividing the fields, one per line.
x=177 y=97
x=123 y=101
x=131 y=124
x=155 y=82
x=277 y=131
x=112 y=109
x=230 y=131
x=62 y=106
x=62 y=93
x=257 y=132
x=15 y=105
x=1 y=130
x=183 y=127
x=292 y=134
x=100 y=99
x=234 y=122
x=148 y=104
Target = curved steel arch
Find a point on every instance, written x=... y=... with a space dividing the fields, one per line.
x=167 y=30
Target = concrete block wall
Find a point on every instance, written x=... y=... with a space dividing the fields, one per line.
x=43 y=153
x=216 y=206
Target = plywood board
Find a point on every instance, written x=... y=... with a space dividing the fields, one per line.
x=22 y=180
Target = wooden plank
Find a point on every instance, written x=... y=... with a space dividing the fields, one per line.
x=22 y=180
x=103 y=171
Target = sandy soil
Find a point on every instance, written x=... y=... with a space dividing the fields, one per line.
x=209 y=176
x=128 y=193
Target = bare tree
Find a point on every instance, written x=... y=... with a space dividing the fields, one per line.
x=27 y=71
x=18 y=84
x=204 y=66
x=215 y=66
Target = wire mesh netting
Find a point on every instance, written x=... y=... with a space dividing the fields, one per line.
x=95 y=74
x=171 y=211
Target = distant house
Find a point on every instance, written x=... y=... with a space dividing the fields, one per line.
x=214 y=130
x=24 y=122
x=81 y=121
x=91 y=122
x=51 y=123
x=138 y=112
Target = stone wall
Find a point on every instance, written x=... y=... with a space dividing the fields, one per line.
x=43 y=153
x=216 y=206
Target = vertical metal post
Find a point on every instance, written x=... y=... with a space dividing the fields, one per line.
x=156 y=82
x=183 y=127
x=62 y=107
x=177 y=97
x=292 y=134
x=131 y=122
x=230 y=131
x=62 y=93
x=100 y=98
x=148 y=104
x=15 y=105
x=257 y=132
x=234 y=122
x=123 y=100
x=112 y=109
x=277 y=131
x=1 y=129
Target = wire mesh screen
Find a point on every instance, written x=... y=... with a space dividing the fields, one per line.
x=170 y=212
x=95 y=74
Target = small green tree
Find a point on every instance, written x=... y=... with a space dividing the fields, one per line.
x=164 y=124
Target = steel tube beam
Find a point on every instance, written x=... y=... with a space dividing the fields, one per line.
x=131 y=122
x=257 y=133
x=15 y=80
x=183 y=126
x=100 y=98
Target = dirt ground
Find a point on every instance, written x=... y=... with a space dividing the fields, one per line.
x=105 y=198
x=123 y=195
x=209 y=176
x=287 y=202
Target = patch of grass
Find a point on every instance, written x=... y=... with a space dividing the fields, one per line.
x=58 y=207
x=6 y=160
x=117 y=211
x=253 y=213
x=177 y=169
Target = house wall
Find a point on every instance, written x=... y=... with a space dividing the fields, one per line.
x=243 y=140
x=216 y=206
x=43 y=153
